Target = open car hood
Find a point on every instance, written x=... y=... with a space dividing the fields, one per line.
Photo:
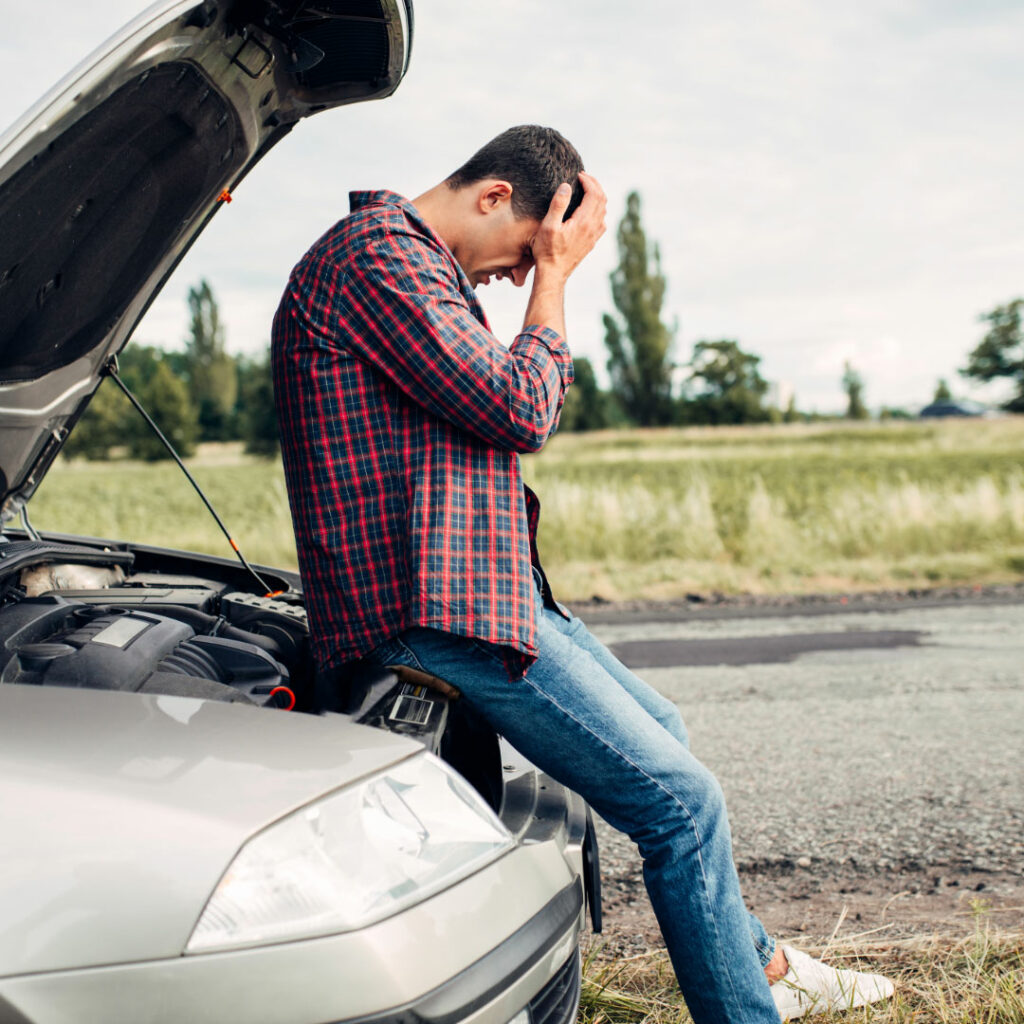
x=105 y=183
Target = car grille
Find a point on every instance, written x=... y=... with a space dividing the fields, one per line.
x=559 y=1000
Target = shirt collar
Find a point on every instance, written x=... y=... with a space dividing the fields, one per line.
x=357 y=200
x=384 y=197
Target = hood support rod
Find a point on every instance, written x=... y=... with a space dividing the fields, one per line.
x=110 y=370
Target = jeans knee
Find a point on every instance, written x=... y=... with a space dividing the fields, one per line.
x=689 y=810
x=706 y=797
x=672 y=721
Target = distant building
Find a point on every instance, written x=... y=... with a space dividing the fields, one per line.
x=952 y=407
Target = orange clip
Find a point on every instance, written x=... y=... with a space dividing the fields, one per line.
x=224 y=197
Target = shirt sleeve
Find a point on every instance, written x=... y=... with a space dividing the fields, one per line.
x=403 y=313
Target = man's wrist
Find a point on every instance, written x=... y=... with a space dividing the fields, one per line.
x=549 y=279
x=547 y=298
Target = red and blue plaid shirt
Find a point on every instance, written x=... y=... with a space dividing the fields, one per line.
x=401 y=417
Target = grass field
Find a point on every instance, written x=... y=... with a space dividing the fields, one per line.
x=658 y=514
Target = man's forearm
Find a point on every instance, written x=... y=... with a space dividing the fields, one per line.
x=546 y=307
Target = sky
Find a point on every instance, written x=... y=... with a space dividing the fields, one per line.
x=826 y=182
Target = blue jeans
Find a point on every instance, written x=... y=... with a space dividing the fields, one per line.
x=583 y=718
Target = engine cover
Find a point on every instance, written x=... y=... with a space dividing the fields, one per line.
x=53 y=641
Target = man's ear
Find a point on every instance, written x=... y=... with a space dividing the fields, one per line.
x=492 y=195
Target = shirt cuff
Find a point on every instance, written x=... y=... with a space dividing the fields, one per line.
x=556 y=346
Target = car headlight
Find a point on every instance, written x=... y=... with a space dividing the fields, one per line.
x=353 y=857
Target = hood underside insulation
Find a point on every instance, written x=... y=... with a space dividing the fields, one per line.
x=90 y=218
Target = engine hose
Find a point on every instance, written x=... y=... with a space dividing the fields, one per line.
x=217 y=625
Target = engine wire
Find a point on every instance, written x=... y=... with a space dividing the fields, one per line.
x=111 y=371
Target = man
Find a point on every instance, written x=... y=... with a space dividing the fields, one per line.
x=402 y=418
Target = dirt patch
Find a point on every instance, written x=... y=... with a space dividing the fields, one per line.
x=802 y=904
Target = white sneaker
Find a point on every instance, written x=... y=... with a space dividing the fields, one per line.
x=809 y=986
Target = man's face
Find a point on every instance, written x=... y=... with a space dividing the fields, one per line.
x=497 y=245
x=505 y=253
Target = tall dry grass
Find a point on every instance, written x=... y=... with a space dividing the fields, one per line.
x=659 y=513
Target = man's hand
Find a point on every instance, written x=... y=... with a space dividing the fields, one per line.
x=559 y=247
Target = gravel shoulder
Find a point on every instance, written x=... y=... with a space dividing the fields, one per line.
x=875 y=791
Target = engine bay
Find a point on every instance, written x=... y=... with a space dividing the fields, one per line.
x=149 y=620
x=79 y=616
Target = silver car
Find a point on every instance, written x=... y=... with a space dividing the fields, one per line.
x=184 y=837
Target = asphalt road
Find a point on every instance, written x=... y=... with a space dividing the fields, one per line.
x=875 y=750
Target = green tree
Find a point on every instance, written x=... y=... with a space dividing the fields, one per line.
x=942 y=392
x=888 y=412
x=586 y=405
x=257 y=414
x=725 y=385
x=639 y=344
x=1001 y=352
x=212 y=375
x=853 y=385
x=165 y=396
x=791 y=415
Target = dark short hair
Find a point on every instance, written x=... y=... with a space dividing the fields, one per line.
x=534 y=161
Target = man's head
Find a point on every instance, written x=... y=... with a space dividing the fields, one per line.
x=534 y=161
x=490 y=209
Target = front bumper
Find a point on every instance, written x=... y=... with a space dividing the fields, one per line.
x=544 y=948
x=477 y=953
